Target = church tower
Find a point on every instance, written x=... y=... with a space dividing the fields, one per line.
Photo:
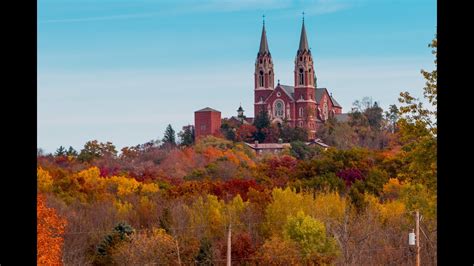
x=305 y=86
x=264 y=75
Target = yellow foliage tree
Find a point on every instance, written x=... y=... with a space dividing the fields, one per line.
x=45 y=181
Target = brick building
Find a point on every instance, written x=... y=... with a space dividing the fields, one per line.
x=207 y=121
x=302 y=105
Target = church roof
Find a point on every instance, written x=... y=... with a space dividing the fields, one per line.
x=263 y=43
x=207 y=109
x=290 y=90
x=334 y=102
x=319 y=94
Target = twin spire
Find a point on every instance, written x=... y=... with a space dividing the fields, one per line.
x=264 y=44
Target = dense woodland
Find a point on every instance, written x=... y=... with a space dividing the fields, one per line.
x=171 y=202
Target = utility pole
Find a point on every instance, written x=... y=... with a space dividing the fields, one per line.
x=418 y=238
x=229 y=246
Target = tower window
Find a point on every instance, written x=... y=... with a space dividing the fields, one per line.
x=300 y=112
x=260 y=79
x=301 y=77
x=301 y=58
x=260 y=61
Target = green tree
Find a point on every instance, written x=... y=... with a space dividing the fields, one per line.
x=204 y=256
x=418 y=131
x=121 y=232
x=262 y=123
x=169 y=137
x=392 y=116
x=71 y=152
x=61 y=151
x=310 y=235
x=187 y=136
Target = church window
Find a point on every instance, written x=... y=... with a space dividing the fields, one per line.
x=301 y=58
x=260 y=61
x=278 y=107
x=301 y=77
x=260 y=79
x=300 y=112
x=325 y=109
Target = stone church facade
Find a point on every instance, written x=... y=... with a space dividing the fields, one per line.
x=301 y=105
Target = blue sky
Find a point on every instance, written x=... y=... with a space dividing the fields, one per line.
x=120 y=71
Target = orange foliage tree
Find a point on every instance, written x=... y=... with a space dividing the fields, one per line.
x=50 y=229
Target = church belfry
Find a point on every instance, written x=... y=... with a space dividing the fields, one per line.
x=263 y=75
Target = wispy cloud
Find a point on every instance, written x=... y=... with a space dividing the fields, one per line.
x=312 y=7
x=100 y=18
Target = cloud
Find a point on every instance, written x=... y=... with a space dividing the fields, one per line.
x=100 y=18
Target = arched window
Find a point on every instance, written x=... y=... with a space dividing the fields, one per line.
x=279 y=108
x=300 y=112
x=260 y=78
x=325 y=109
x=301 y=77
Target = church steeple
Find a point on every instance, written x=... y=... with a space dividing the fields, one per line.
x=263 y=42
x=263 y=75
x=304 y=70
x=303 y=40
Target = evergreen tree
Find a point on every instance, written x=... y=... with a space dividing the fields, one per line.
x=71 y=152
x=204 y=256
x=169 y=137
x=262 y=123
x=187 y=136
x=61 y=151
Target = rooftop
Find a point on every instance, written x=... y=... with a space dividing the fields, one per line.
x=207 y=109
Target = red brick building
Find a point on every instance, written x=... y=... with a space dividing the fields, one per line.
x=207 y=121
x=301 y=105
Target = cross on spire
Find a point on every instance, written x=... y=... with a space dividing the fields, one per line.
x=303 y=15
x=263 y=17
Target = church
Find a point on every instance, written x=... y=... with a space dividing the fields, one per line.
x=301 y=105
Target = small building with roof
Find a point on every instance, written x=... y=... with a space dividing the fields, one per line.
x=207 y=121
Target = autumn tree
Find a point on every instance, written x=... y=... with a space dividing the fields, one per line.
x=146 y=248
x=338 y=134
x=94 y=150
x=50 y=230
x=418 y=131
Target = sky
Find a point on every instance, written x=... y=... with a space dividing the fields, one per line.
x=121 y=71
